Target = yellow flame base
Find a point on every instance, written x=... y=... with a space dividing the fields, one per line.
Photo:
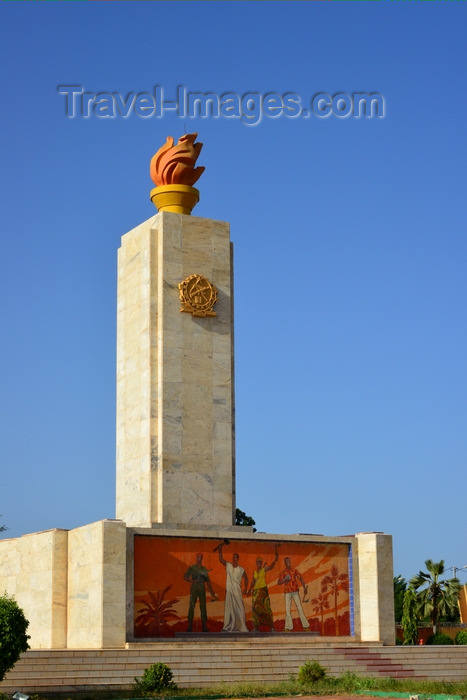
x=179 y=199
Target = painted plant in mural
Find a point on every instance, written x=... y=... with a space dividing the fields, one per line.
x=308 y=591
x=156 y=613
x=334 y=583
x=320 y=605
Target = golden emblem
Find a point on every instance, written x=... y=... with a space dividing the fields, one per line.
x=198 y=296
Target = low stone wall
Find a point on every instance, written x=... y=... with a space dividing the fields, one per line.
x=424 y=633
x=200 y=663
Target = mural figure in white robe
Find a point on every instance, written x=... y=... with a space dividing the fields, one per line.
x=234 y=610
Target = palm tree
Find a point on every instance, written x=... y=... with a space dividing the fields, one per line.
x=321 y=603
x=439 y=597
x=154 y=617
x=335 y=582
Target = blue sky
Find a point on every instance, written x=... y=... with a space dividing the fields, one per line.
x=350 y=257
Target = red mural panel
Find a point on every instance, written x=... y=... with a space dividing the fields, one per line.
x=185 y=584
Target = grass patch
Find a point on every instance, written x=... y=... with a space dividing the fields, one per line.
x=348 y=683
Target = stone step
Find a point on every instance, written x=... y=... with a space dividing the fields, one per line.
x=201 y=664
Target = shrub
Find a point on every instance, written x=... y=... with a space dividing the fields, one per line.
x=439 y=638
x=155 y=678
x=461 y=637
x=311 y=672
x=13 y=637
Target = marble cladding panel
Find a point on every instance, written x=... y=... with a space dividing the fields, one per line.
x=96 y=585
x=59 y=590
x=197 y=497
x=33 y=569
x=222 y=434
x=172 y=440
x=222 y=344
x=375 y=586
x=172 y=368
x=222 y=369
x=222 y=403
x=173 y=274
x=133 y=365
x=222 y=483
x=114 y=584
x=191 y=463
x=196 y=438
x=9 y=566
x=199 y=261
x=386 y=588
x=173 y=401
x=136 y=489
x=169 y=232
x=223 y=282
x=367 y=561
x=173 y=491
x=197 y=368
x=84 y=573
x=200 y=338
x=220 y=257
x=173 y=337
x=223 y=502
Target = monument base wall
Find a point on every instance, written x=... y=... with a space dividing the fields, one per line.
x=206 y=663
x=98 y=586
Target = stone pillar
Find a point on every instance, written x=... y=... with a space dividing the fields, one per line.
x=175 y=404
x=97 y=585
x=374 y=577
x=33 y=568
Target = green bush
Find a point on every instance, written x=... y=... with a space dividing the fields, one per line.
x=156 y=678
x=13 y=637
x=311 y=672
x=439 y=638
x=461 y=637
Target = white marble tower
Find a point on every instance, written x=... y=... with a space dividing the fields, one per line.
x=175 y=389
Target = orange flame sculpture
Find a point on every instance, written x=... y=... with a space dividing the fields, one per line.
x=174 y=165
x=173 y=171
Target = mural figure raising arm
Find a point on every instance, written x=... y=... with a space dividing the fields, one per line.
x=261 y=604
x=234 y=610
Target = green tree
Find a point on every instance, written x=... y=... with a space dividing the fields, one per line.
x=410 y=616
x=3 y=527
x=435 y=597
x=242 y=518
x=13 y=637
x=400 y=587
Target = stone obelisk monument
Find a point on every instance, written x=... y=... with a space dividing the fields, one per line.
x=175 y=389
x=90 y=587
